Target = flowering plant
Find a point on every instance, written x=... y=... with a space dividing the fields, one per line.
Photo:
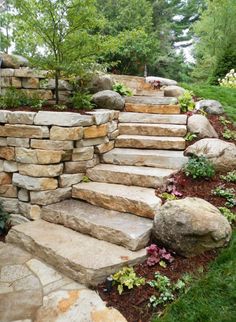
x=158 y=255
x=229 y=80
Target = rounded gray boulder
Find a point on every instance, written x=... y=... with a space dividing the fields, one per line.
x=210 y=106
x=109 y=100
x=13 y=61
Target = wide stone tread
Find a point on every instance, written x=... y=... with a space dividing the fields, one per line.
x=150 y=158
x=152 y=108
x=126 y=117
x=150 y=142
x=153 y=129
x=135 y=200
x=83 y=258
x=151 y=100
x=115 y=227
x=130 y=175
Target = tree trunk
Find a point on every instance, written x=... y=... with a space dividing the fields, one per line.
x=57 y=74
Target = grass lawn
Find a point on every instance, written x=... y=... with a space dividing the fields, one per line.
x=227 y=97
x=211 y=299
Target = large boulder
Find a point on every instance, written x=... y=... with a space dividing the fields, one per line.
x=222 y=154
x=101 y=82
x=210 y=106
x=191 y=226
x=163 y=81
x=174 y=91
x=109 y=100
x=13 y=61
x=200 y=125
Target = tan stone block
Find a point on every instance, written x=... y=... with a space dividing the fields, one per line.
x=24 y=131
x=8 y=191
x=32 y=212
x=20 y=117
x=35 y=170
x=5 y=82
x=10 y=166
x=67 y=180
x=3 y=141
x=83 y=154
x=52 y=145
x=5 y=178
x=26 y=72
x=40 y=93
x=18 y=142
x=44 y=198
x=10 y=205
x=103 y=148
x=80 y=166
x=30 y=82
x=95 y=131
x=32 y=183
x=16 y=82
x=91 y=142
x=23 y=195
x=38 y=156
x=7 y=153
x=66 y=134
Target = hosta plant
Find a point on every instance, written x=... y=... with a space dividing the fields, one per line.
x=127 y=278
x=186 y=102
x=122 y=89
x=157 y=255
x=190 y=136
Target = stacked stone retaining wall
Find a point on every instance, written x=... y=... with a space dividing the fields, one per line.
x=43 y=154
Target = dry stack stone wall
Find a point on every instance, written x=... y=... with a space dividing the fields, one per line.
x=34 y=82
x=42 y=155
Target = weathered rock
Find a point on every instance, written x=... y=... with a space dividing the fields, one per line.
x=66 y=134
x=13 y=61
x=24 y=155
x=27 y=72
x=10 y=166
x=101 y=82
x=62 y=119
x=222 y=154
x=5 y=178
x=191 y=226
x=118 y=228
x=10 y=205
x=8 y=191
x=152 y=108
x=17 y=219
x=135 y=200
x=29 y=211
x=7 y=153
x=95 y=131
x=18 y=142
x=92 y=142
x=102 y=116
x=50 y=84
x=152 y=129
x=23 y=195
x=21 y=117
x=3 y=141
x=163 y=81
x=6 y=72
x=210 y=106
x=36 y=170
x=130 y=175
x=83 y=154
x=174 y=91
x=150 y=158
x=112 y=126
x=37 y=184
x=113 y=135
x=24 y=131
x=4 y=116
x=80 y=166
x=200 y=125
x=109 y=100
x=80 y=256
x=68 y=180
x=30 y=82
x=52 y=145
x=105 y=147
x=39 y=93
x=44 y=198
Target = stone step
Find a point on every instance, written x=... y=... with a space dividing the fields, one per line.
x=135 y=200
x=151 y=100
x=153 y=129
x=150 y=142
x=130 y=175
x=115 y=227
x=150 y=158
x=149 y=93
x=153 y=105
x=83 y=258
x=126 y=117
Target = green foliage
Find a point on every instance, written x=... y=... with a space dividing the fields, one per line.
x=14 y=98
x=224 y=121
x=190 y=136
x=122 y=89
x=60 y=107
x=199 y=167
x=227 y=193
x=229 y=80
x=82 y=101
x=168 y=196
x=228 y=214
x=186 y=102
x=85 y=179
x=229 y=134
x=126 y=277
x=230 y=176
x=4 y=217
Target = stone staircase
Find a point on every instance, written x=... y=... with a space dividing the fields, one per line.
x=108 y=223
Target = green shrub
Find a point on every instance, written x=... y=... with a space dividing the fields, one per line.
x=82 y=101
x=122 y=89
x=229 y=177
x=186 y=102
x=228 y=214
x=199 y=167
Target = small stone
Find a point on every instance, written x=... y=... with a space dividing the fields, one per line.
x=52 y=145
x=101 y=82
x=18 y=142
x=62 y=119
x=24 y=131
x=101 y=116
x=91 y=142
x=83 y=154
x=200 y=125
x=35 y=184
x=174 y=91
x=31 y=212
x=21 y=117
x=95 y=131
x=68 y=180
x=10 y=205
x=109 y=100
x=48 y=197
x=7 y=153
x=23 y=195
x=112 y=126
x=113 y=135
x=66 y=134
x=103 y=148
x=10 y=166
x=210 y=106
x=8 y=191
x=5 y=178
x=36 y=170
x=80 y=166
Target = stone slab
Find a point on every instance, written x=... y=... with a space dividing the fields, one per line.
x=52 y=145
x=115 y=227
x=151 y=100
x=18 y=142
x=150 y=142
x=130 y=175
x=63 y=119
x=68 y=180
x=48 y=197
x=24 y=131
x=7 y=153
x=37 y=170
x=153 y=129
x=95 y=131
x=8 y=191
x=80 y=166
x=126 y=117
x=10 y=205
x=150 y=158
x=152 y=109
x=36 y=156
x=83 y=258
x=20 y=117
x=135 y=200
x=58 y=133
x=31 y=183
